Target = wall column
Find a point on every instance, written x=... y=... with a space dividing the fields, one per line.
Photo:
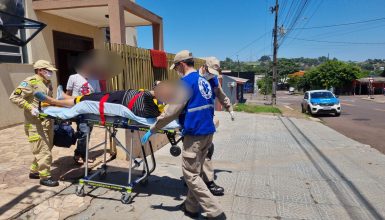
x=116 y=22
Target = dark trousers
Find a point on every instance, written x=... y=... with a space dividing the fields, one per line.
x=82 y=130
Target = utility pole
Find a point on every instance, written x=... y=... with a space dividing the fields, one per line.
x=239 y=67
x=275 y=51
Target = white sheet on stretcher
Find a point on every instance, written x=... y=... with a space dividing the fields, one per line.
x=110 y=109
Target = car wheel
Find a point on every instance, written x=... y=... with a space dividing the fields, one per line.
x=309 y=111
x=337 y=114
x=302 y=109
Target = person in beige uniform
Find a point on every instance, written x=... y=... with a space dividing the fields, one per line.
x=39 y=132
x=210 y=71
x=193 y=104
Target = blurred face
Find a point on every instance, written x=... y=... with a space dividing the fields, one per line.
x=205 y=73
x=180 y=68
x=165 y=92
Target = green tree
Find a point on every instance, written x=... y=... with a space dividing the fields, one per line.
x=265 y=85
x=383 y=73
x=332 y=73
x=286 y=67
x=265 y=58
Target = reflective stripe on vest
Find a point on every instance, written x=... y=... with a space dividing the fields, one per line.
x=200 y=108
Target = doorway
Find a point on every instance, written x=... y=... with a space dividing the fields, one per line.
x=67 y=48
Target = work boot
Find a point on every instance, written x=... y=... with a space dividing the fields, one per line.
x=49 y=182
x=215 y=189
x=34 y=176
x=219 y=217
x=188 y=213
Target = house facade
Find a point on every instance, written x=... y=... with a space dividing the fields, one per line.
x=73 y=27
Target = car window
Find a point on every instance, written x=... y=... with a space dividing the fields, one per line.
x=306 y=95
x=322 y=95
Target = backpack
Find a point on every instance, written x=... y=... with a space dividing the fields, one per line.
x=64 y=135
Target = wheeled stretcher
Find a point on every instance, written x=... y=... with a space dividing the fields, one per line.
x=113 y=117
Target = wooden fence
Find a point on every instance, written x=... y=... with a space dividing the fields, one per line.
x=138 y=72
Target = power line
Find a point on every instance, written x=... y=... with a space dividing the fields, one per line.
x=299 y=12
x=338 y=25
x=339 y=42
x=249 y=44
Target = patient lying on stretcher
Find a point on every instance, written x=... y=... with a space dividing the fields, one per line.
x=142 y=103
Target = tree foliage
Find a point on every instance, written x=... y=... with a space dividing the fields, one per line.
x=330 y=74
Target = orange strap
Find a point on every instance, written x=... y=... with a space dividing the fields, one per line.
x=101 y=108
x=133 y=100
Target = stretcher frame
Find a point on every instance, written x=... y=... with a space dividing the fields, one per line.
x=111 y=124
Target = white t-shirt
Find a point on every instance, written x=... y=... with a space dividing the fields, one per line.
x=81 y=86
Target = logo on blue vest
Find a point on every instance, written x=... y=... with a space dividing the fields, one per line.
x=205 y=88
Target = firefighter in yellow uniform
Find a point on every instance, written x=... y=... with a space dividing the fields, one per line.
x=38 y=131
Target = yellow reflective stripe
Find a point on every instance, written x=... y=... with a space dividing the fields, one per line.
x=27 y=106
x=34 y=81
x=44 y=173
x=34 y=167
x=28 y=126
x=33 y=138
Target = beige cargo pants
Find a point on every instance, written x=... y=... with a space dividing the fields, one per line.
x=40 y=137
x=194 y=152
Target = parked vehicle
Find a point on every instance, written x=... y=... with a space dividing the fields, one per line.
x=291 y=90
x=320 y=102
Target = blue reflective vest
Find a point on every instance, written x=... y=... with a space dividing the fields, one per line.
x=197 y=117
x=214 y=84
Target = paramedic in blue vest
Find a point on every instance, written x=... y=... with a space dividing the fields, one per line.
x=194 y=106
x=210 y=71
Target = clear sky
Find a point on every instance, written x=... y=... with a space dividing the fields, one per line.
x=227 y=28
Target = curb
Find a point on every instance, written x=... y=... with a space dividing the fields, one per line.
x=373 y=100
x=314 y=119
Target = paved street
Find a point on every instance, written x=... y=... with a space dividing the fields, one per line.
x=271 y=167
x=361 y=119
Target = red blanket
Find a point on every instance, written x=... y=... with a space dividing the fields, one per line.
x=159 y=58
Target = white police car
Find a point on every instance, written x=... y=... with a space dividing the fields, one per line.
x=320 y=102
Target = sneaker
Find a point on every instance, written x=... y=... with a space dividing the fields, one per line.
x=49 y=182
x=219 y=217
x=34 y=176
x=215 y=189
x=188 y=213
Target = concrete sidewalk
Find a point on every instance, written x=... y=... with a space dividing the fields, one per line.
x=271 y=168
x=376 y=98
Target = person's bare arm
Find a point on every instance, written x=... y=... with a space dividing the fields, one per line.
x=172 y=111
x=223 y=99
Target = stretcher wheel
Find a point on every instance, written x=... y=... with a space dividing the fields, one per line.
x=175 y=150
x=126 y=198
x=79 y=191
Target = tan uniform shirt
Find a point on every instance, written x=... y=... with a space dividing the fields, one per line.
x=23 y=97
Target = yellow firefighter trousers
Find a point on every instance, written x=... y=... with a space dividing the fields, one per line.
x=40 y=137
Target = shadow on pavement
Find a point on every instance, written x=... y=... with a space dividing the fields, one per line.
x=66 y=169
x=17 y=200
